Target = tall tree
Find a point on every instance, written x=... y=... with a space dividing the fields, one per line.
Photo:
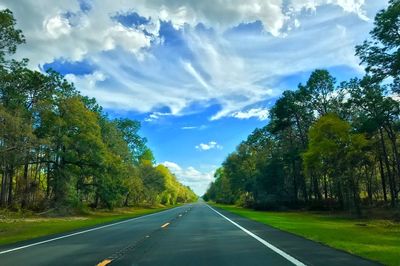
x=381 y=54
x=10 y=37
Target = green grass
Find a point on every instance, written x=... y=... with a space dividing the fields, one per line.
x=377 y=240
x=15 y=227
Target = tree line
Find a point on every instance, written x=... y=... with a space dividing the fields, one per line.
x=327 y=145
x=60 y=149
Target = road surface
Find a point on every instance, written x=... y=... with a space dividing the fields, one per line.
x=194 y=234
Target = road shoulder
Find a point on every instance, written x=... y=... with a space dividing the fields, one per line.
x=307 y=251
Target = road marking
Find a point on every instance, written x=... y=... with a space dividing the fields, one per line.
x=267 y=244
x=104 y=262
x=164 y=225
x=83 y=232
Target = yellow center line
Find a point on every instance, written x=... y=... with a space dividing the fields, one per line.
x=164 y=225
x=104 y=262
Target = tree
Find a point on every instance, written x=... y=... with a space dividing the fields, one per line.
x=59 y=149
x=376 y=115
x=335 y=153
x=136 y=143
x=381 y=55
x=319 y=89
x=10 y=37
x=220 y=190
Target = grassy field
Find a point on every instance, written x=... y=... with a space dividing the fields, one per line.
x=378 y=240
x=16 y=227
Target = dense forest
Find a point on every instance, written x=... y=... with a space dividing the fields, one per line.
x=60 y=149
x=327 y=145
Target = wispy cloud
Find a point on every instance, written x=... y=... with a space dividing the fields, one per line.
x=155 y=116
x=259 y=113
x=194 y=127
x=190 y=69
x=202 y=58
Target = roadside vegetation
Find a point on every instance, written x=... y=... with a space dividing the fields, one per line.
x=15 y=227
x=375 y=239
x=59 y=150
x=327 y=145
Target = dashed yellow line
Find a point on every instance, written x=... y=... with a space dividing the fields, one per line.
x=164 y=225
x=104 y=262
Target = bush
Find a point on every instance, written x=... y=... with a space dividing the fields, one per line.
x=245 y=200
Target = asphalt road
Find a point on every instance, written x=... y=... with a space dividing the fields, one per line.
x=194 y=234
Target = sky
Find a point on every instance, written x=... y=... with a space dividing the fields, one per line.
x=200 y=76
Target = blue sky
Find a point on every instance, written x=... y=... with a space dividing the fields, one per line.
x=199 y=75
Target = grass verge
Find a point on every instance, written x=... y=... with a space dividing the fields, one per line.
x=374 y=239
x=16 y=227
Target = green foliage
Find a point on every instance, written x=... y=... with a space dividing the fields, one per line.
x=309 y=155
x=9 y=36
x=326 y=146
x=381 y=55
x=58 y=149
x=320 y=87
x=335 y=154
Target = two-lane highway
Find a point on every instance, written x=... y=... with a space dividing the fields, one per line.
x=194 y=234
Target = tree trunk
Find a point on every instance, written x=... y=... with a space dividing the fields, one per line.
x=10 y=185
x=126 y=200
x=3 y=196
x=48 y=181
x=392 y=138
x=382 y=178
x=24 y=201
x=295 y=186
x=317 y=192
x=389 y=171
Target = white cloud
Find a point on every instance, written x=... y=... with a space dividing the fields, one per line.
x=194 y=127
x=130 y=39
x=61 y=30
x=88 y=81
x=260 y=113
x=172 y=166
x=190 y=69
x=191 y=176
x=351 y=6
x=208 y=146
x=57 y=26
x=234 y=71
x=155 y=116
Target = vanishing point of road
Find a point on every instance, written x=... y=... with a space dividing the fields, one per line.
x=193 y=234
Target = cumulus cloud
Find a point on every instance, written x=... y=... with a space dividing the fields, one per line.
x=62 y=30
x=57 y=26
x=88 y=81
x=260 y=113
x=208 y=146
x=191 y=176
x=351 y=6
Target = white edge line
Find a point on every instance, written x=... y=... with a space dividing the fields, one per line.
x=82 y=232
x=267 y=244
